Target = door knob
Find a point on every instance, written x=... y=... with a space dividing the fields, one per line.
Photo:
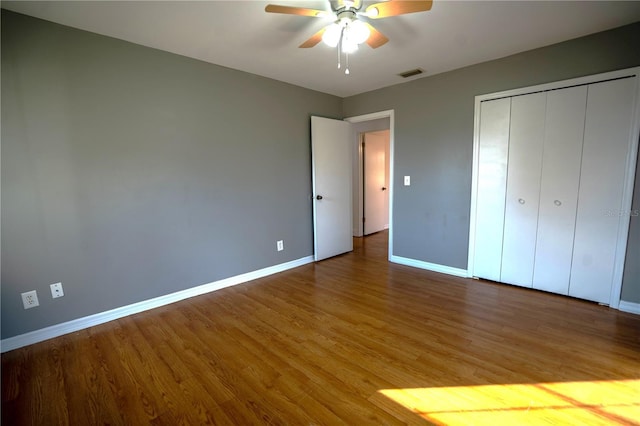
x=384 y=189
x=318 y=197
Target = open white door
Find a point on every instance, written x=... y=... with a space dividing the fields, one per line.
x=376 y=207
x=332 y=203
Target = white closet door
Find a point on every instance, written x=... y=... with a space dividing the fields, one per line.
x=564 y=131
x=492 y=184
x=606 y=144
x=523 y=188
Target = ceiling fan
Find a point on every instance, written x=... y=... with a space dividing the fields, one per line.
x=349 y=30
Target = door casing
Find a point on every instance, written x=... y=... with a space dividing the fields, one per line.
x=375 y=116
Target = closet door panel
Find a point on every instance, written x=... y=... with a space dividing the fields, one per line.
x=606 y=143
x=492 y=183
x=564 y=132
x=523 y=188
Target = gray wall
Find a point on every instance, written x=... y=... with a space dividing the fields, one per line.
x=130 y=173
x=434 y=138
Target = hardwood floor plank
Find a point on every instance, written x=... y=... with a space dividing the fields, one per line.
x=176 y=395
x=349 y=340
x=313 y=356
x=133 y=399
x=227 y=361
x=88 y=393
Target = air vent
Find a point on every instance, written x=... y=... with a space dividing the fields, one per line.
x=411 y=73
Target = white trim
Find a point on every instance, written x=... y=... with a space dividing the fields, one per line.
x=627 y=199
x=474 y=187
x=46 y=333
x=589 y=79
x=623 y=227
x=374 y=116
x=359 y=232
x=370 y=117
x=429 y=266
x=631 y=307
x=392 y=150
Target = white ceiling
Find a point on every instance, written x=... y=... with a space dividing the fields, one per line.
x=239 y=34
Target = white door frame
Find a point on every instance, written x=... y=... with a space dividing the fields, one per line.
x=375 y=116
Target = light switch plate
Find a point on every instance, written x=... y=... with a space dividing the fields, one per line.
x=407 y=180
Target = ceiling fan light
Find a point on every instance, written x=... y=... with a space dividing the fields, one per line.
x=348 y=46
x=358 y=32
x=331 y=36
x=372 y=12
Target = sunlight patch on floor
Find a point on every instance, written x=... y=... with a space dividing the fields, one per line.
x=594 y=403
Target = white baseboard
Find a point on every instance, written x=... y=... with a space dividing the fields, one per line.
x=46 y=333
x=429 y=266
x=630 y=307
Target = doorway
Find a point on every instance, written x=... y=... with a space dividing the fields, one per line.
x=378 y=121
x=375 y=180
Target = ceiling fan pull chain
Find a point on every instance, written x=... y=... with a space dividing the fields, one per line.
x=346 y=57
x=340 y=46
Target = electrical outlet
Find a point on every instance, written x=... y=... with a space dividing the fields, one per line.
x=56 y=290
x=280 y=245
x=30 y=299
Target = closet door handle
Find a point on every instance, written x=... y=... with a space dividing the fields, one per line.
x=557 y=203
x=521 y=200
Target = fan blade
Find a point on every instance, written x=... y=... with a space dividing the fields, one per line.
x=376 y=39
x=394 y=8
x=301 y=11
x=315 y=39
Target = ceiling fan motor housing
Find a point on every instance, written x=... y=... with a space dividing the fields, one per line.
x=347 y=15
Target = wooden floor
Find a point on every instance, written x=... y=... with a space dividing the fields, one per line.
x=350 y=340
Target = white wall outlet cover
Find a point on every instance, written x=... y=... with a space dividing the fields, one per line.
x=30 y=299
x=280 y=245
x=56 y=290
